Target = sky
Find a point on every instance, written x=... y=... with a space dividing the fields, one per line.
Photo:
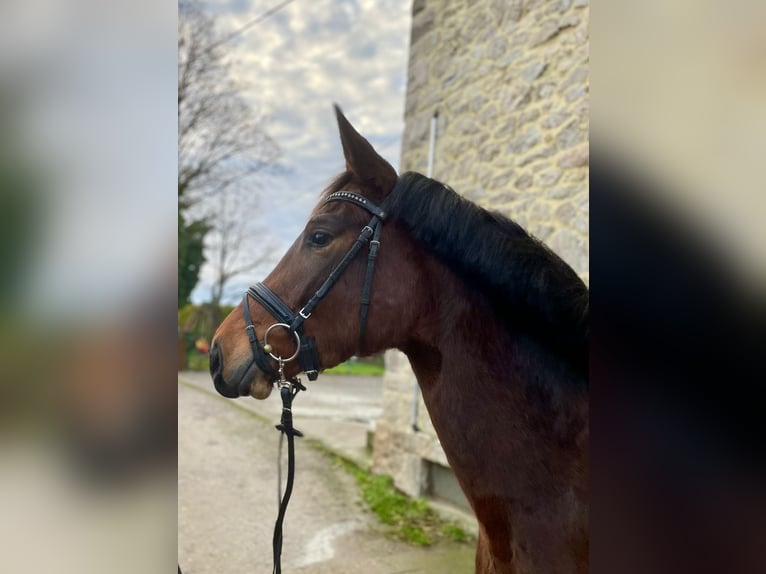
x=293 y=66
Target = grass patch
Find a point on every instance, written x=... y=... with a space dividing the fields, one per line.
x=454 y=533
x=359 y=367
x=409 y=519
x=196 y=361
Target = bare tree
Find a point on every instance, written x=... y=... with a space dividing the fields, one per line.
x=222 y=142
x=232 y=225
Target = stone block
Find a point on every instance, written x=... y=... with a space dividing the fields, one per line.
x=577 y=77
x=542 y=231
x=571 y=135
x=555 y=119
x=547 y=177
x=443 y=66
x=547 y=31
x=488 y=115
x=574 y=175
x=524 y=181
x=501 y=184
x=477 y=102
x=561 y=192
x=488 y=152
x=475 y=27
x=572 y=248
x=529 y=116
x=417 y=129
x=581 y=223
x=421 y=24
x=534 y=71
x=507 y=129
x=429 y=101
x=530 y=138
x=498 y=9
x=515 y=10
x=577 y=157
x=576 y=93
x=540 y=211
x=566 y=213
x=514 y=95
x=497 y=48
x=396 y=361
x=519 y=39
x=417 y=76
x=568 y=21
x=538 y=154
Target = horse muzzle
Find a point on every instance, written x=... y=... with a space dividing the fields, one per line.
x=246 y=380
x=228 y=390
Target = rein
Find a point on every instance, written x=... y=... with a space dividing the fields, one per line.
x=305 y=350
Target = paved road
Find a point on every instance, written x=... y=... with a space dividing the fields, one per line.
x=337 y=410
x=227 y=490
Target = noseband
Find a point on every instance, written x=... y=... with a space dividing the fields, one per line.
x=293 y=322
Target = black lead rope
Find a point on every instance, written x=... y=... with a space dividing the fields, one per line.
x=287 y=393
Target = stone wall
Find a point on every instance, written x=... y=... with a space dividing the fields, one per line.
x=509 y=80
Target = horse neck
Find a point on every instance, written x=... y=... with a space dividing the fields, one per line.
x=461 y=350
x=511 y=422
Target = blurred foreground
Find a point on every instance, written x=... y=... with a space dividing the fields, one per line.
x=87 y=297
x=678 y=276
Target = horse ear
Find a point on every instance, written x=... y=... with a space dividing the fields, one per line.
x=362 y=159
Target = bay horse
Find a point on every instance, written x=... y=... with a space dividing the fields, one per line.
x=494 y=324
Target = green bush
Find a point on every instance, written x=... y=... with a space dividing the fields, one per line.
x=202 y=320
x=196 y=361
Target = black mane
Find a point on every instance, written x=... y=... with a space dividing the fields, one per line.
x=529 y=287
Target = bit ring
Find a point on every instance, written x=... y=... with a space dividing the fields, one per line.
x=297 y=342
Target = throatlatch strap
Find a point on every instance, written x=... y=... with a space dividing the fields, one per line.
x=308 y=358
x=367 y=289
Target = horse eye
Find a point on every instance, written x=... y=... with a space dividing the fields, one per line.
x=320 y=238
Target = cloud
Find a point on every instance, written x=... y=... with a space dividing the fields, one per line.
x=293 y=66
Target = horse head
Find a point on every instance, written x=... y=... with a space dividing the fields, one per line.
x=336 y=324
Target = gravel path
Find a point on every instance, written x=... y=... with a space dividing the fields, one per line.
x=227 y=503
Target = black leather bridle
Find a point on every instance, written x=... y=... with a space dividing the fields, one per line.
x=306 y=346
x=292 y=321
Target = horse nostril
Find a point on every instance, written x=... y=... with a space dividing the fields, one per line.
x=215 y=359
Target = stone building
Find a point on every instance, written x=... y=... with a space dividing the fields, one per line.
x=509 y=80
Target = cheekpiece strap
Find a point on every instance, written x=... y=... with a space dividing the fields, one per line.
x=359 y=200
